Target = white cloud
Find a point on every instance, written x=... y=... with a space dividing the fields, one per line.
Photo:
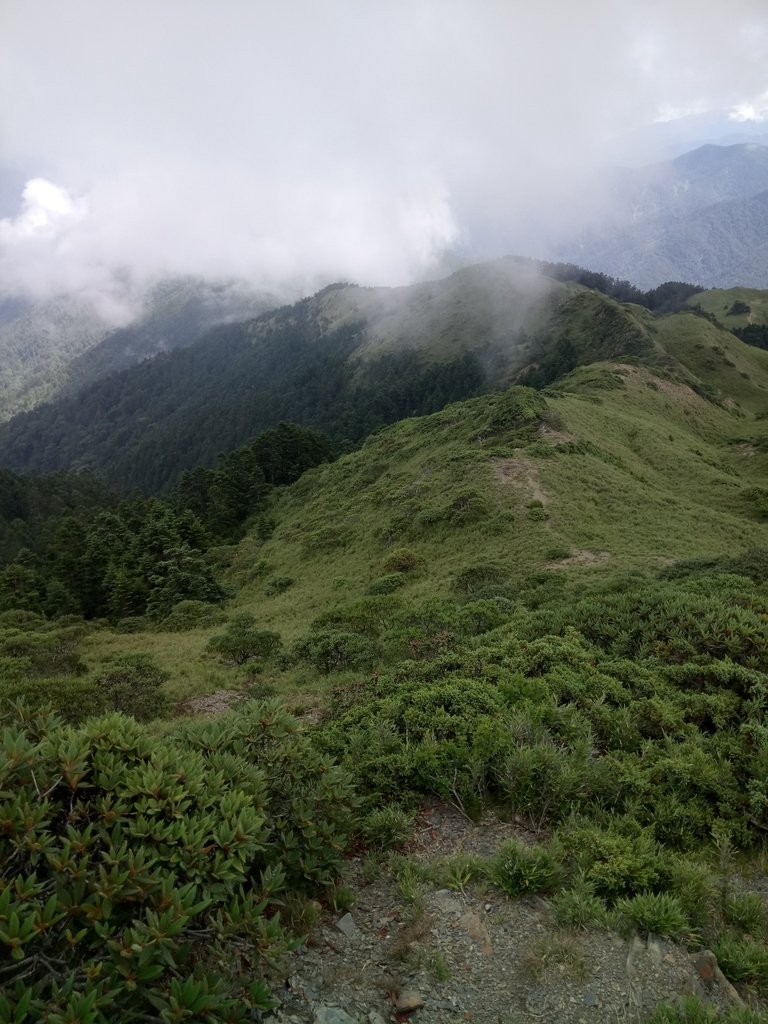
x=47 y=212
x=324 y=139
x=753 y=110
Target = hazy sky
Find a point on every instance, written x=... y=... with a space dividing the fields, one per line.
x=315 y=140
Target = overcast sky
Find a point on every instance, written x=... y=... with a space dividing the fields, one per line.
x=315 y=140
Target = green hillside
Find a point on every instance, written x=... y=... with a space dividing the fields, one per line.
x=631 y=470
x=58 y=347
x=719 y=302
x=542 y=610
x=345 y=361
x=737 y=372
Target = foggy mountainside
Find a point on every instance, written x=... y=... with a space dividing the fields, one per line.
x=346 y=362
x=383 y=512
x=61 y=345
x=701 y=217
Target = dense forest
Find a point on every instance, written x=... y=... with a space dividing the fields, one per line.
x=214 y=397
x=72 y=547
x=669 y=297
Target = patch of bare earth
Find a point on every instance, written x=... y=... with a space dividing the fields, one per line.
x=210 y=703
x=746 y=450
x=523 y=472
x=439 y=955
x=581 y=557
x=555 y=436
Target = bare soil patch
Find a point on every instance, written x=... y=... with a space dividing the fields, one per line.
x=524 y=472
x=210 y=703
x=582 y=557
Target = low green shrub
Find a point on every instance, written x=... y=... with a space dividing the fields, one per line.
x=518 y=869
x=278 y=585
x=579 y=907
x=45 y=648
x=311 y=807
x=541 y=780
x=557 y=554
x=191 y=615
x=746 y=911
x=333 y=650
x=537 y=513
x=695 y=886
x=132 y=685
x=401 y=560
x=480 y=577
x=131 y=624
x=467 y=507
x=743 y=959
x=74 y=698
x=242 y=642
x=616 y=864
x=655 y=913
x=387 y=827
x=387 y=584
x=145 y=883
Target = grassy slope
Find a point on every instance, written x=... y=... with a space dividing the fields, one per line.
x=641 y=471
x=633 y=469
x=737 y=371
x=718 y=301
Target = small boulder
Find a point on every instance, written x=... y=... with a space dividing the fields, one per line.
x=407 y=1002
x=347 y=926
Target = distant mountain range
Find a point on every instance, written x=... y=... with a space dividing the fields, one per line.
x=701 y=217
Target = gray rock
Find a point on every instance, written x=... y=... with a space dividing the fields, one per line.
x=374 y=1017
x=477 y=931
x=656 y=948
x=332 y=1015
x=447 y=903
x=347 y=926
x=590 y=997
x=407 y=1002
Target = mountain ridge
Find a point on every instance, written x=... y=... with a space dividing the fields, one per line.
x=700 y=217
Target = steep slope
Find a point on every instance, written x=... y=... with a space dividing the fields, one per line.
x=37 y=343
x=59 y=346
x=719 y=245
x=699 y=178
x=346 y=361
x=350 y=360
x=175 y=314
x=735 y=373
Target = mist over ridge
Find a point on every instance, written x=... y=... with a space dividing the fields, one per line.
x=298 y=145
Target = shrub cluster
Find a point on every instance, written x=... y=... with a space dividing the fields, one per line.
x=141 y=877
x=243 y=642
